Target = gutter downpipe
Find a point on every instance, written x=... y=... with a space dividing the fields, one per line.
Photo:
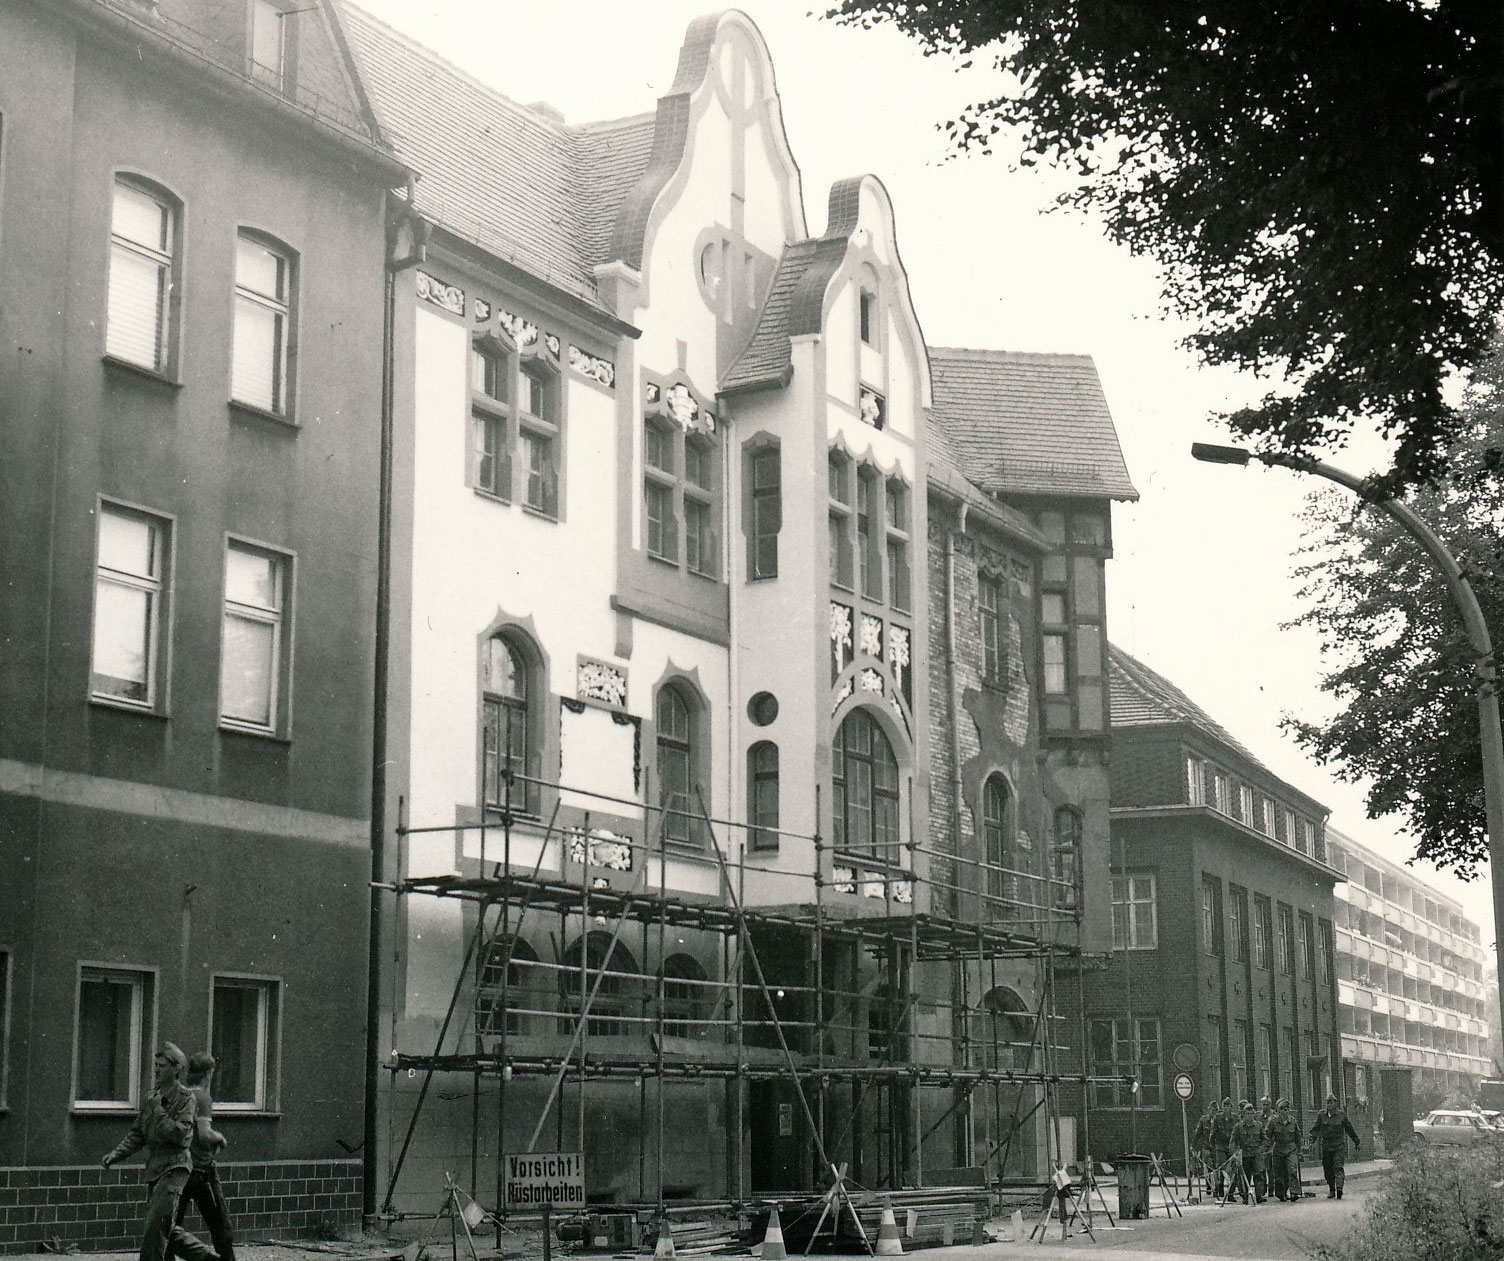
x=401 y=223
x=954 y=739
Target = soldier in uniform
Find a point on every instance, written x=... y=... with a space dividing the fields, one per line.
x=1248 y=1142
x=1201 y=1144
x=1261 y=1166
x=1282 y=1134
x=1222 y=1126
x=1332 y=1129
x=165 y=1127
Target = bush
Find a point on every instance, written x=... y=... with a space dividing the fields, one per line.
x=1434 y=1205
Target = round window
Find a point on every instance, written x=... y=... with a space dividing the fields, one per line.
x=763 y=708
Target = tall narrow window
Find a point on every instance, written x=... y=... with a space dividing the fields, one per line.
x=1325 y=959
x=659 y=474
x=1054 y=664
x=251 y=673
x=676 y=758
x=997 y=844
x=766 y=481
x=107 y=1065
x=1211 y=915
x=618 y=995
x=897 y=515
x=762 y=794
x=509 y=986
x=243 y=1042
x=1307 y=948
x=143 y=238
x=1067 y=857
x=506 y=728
x=1135 y=914
x=268 y=43
x=1261 y=933
x=1237 y=1052
x=1195 y=775
x=1285 y=941
x=1238 y=906
x=864 y=789
x=684 y=993
x=538 y=439
x=258 y=370
x=842 y=564
x=701 y=545
x=129 y=591
x=990 y=606
x=867 y=316
x=868 y=558
x=1126 y=1048
x=491 y=373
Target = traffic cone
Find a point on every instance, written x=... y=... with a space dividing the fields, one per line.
x=772 y=1241
x=665 y=1247
x=888 y=1242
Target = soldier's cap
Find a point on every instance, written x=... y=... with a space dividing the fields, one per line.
x=1283 y=1103
x=172 y=1051
x=200 y=1063
x=1247 y=1107
x=1331 y=1098
x=1227 y=1103
x=1265 y=1099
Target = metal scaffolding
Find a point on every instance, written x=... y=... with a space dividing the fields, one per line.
x=810 y=1035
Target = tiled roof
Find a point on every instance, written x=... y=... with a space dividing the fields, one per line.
x=1141 y=697
x=768 y=355
x=516 y=182
x=1029 y=424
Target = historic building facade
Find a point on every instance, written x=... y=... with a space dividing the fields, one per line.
x=191 y=249
x=1411 y=979
x=699 y=556
x=1224 y=960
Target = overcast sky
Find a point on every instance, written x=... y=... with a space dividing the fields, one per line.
x=1202 y=579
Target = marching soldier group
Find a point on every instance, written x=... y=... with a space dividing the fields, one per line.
x=1264 y=1145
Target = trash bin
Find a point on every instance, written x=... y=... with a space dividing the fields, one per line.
x=1133 y=1187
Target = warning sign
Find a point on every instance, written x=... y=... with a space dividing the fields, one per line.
x=546 y=1178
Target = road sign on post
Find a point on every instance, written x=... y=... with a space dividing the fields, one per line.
x=1184 y=1089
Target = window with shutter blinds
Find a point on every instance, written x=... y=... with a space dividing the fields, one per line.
x=250 y=676
x=258 y=372
x=142 y=238
x=129 y=589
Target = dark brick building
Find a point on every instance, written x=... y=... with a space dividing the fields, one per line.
x=1222 y=924
x=191 y=252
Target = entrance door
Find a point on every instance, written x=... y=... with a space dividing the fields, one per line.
x=777 y=1132
x=1399 y=1107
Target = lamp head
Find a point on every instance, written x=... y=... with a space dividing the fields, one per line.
x=1211 y=453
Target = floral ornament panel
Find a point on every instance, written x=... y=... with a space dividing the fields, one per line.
x=600 y=681
x=601 y=371
x=449 y=297
x=844 y=691
x=840 y=638
x=606 y=849
x=551 y=343
x=898 y=660
x=872 y=681
x=523 y=332
x=903 y=717
x=903 y=892
x=843 y=879
x=873 y=408
x=874 y=884
x=678 y=403
x=481 y=309
x=872 y=636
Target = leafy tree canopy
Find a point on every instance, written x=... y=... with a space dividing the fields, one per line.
x=1322 y=181
x=1398 y=659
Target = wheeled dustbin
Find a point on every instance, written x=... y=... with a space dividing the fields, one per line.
x=1133 y=1187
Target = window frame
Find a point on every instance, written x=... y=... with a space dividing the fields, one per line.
x=763 y=833
x=869 y=530
x=1211 y=916
x=169 y=269
x=1117 y=1095
x=526 y=662
x=488 y=993
x=275 y=77
x=143 y=983
x=268 y=1040
x=991 y=605
x=1125 y=899
x=1065 y=856
x=279 y=725
x=999 y=837
x=1306 y=944
x=764 y=510
x=897 y=509
x=538 y=429
x=1239 y=936
x=1195 y=776
x=693 y=746
x=159 y=665
x=887 y=851
x=492 y=418
x=841 y=494
x=1284 y=944
x=7 y=1006
x=284 y=372
x=1262 y=933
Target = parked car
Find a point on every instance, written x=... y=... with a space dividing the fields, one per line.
x=1453 y=1127
x=1495 y=1119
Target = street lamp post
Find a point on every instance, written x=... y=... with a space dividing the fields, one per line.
x=1489 y=737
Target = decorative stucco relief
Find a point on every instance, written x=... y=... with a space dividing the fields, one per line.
x=602 y=371
x=447 y=297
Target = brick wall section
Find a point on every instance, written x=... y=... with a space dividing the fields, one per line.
x=99 y=1209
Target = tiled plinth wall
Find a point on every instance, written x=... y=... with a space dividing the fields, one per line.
x=97 y=1208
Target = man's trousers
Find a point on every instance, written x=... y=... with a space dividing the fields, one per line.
x=160 y=1231
x=203 y=1189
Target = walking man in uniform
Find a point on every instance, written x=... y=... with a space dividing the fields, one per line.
x=165 y=1127
x=1282 y=1134
x=1332 y=1128
x=1222 y=1125
x=203 y=1187
x=1248 y=1142
x=1201 y=1145
x=1261 y=1165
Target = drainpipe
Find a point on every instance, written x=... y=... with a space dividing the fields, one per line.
x=406 y=235
x=954 y=741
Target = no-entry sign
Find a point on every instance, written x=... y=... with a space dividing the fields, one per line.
x=1184 y=1086
x=546 y=1179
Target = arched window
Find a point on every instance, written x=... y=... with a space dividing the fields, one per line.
x=885 y=1027
x=762 y=795
x=620 y=989
x=522 y=991
x=684 y=997
x=265 y=342
x=492 y=416
x=677 y=755
x=998 y=849
x=142 y=303
x=864 y=789
x=507 y=720
x=1067 y=857
x=1005 y=1033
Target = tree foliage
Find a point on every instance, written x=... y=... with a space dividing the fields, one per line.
x=1322 y=183
x=1398 y=660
